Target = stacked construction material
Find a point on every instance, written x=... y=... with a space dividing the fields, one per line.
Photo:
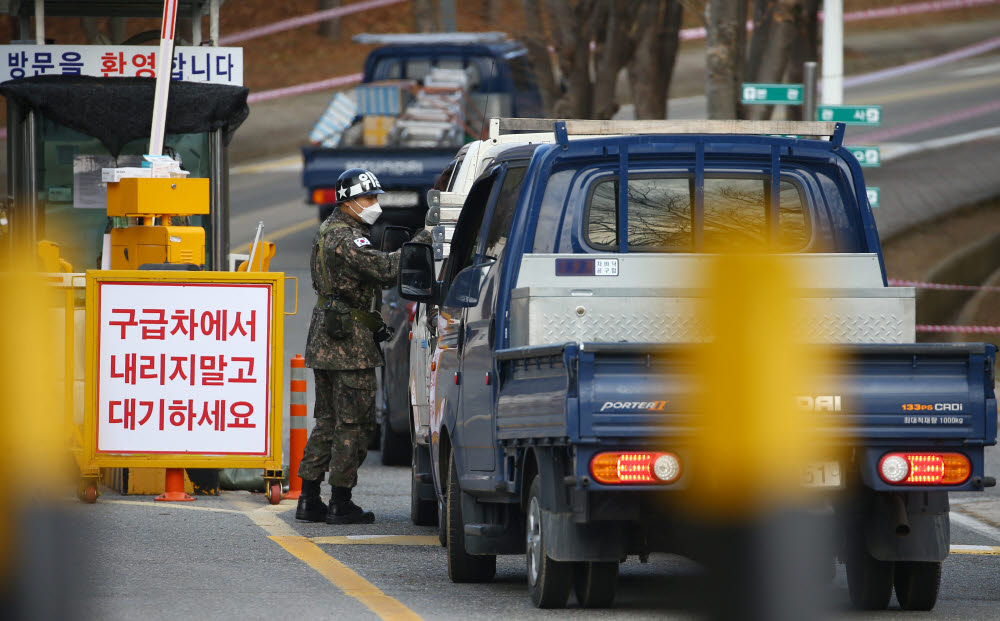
x=337 y=117
x=436 y=118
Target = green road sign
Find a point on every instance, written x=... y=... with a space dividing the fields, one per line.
x=868 y=157
x=852 y=115
x=872 y=196
x=788 y=94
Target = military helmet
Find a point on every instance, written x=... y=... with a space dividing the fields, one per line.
x=357 y=182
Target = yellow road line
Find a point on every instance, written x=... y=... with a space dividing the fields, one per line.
x=286 y=163
x=392 y=540
x=948 y=89
x=962 y=549
x=340 y=575
x=291 y=230
x=345 y=579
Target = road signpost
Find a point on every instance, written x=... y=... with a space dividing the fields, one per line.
x=873 y=196
x=787 y=94
x=852 y=115
x=868 y=157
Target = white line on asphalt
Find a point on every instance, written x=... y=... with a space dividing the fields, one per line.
x=990 y=68
x=899 y=150
x=971 y=523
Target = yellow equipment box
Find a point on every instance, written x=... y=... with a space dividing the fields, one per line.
x=139 y=197
x=135 y=246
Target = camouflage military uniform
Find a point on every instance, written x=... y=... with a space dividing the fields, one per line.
x=344 y=368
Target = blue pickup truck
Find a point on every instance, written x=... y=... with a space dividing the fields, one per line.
x=554 y=355
x=497 y=80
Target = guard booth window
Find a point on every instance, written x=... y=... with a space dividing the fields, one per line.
x=73 y=199
x=661 y=214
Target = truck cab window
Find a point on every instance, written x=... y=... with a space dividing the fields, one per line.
x=503 y=212
x=661 y=213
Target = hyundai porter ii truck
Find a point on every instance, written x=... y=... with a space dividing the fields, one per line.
x=559 y=426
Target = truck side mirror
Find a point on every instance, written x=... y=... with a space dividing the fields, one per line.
x=393 y=238
x=416 y=272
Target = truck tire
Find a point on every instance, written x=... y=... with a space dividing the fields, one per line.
x=869 y=580
x=549 y=581
x=422 y=512
x=595 y=584
x=462 y=566
x=395 y=447
x=917 y=584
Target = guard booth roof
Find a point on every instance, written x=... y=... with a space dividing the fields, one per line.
x=117 y=111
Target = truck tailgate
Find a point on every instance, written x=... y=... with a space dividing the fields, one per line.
x=880 y=394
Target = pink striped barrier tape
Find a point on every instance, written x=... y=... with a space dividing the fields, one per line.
x=305 y=20
x=959 y=329
x=298 y=89
x=972 y=50
x=895 y=282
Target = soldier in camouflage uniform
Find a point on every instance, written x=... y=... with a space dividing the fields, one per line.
x=347 y=275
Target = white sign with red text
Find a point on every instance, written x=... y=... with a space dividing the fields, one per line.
x=183 y=368
x=218 y=65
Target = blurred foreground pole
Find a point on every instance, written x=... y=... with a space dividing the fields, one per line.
x=752 y=444
x=36 y=564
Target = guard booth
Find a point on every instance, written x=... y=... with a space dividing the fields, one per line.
x=65 y=123
x=74 y=111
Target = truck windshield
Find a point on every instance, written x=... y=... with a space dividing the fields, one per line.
x=661 y=213
x=417 y=68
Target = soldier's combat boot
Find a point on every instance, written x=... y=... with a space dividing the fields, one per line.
x=343 y=511
x=311 y=507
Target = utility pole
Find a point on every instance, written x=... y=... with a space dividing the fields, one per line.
x=833 y=53
x=448 y=22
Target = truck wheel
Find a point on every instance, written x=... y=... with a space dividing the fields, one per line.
x=917 y=584
x=549 y=581
x=869 y=580
x=395 y=447
x=462 y=566
x=422 y=512
x=595 y=584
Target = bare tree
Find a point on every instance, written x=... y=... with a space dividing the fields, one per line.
x=725 y=24
x=591 y=42
x=776 y=30
x=331 y=27
x=652 y=65
x=425 y=16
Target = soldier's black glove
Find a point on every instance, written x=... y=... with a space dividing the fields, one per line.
x=383 y=334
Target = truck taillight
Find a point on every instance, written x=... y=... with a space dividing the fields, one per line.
x=631 y=468
x=924 y=468
x=324 y=196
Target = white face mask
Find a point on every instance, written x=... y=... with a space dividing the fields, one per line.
x=368 y=214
